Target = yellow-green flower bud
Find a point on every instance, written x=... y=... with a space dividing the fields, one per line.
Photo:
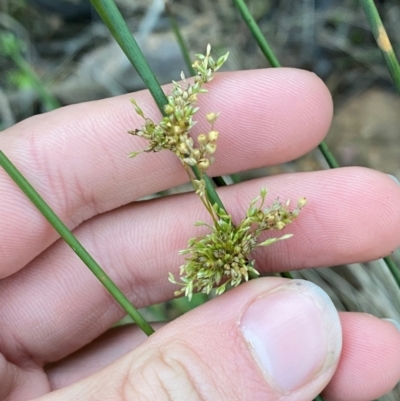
x=302 y=202
x=212 y=117
x=202 y=138
x=183 y=123
x=192 y=98
x=189 y=142
x=176 y=129
x=169 y=109
x=190 y=161
x=280 y=225
x=196 y=154
x=203 y=164
x=211 y=148
x=183 y=148
x=213 y=135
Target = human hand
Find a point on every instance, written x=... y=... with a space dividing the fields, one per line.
x=268 y=339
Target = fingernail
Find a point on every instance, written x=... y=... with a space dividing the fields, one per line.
x=394 y=322
x=395 y=179
x=294 y=334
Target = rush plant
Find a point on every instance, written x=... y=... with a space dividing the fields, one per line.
x=221 y=258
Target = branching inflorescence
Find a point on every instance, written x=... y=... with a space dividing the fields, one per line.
x=221 y=258
x=172 y=132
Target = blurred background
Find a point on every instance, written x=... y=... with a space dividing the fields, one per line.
x=58 y=52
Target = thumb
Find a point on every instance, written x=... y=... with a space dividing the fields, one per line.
x=269 y=339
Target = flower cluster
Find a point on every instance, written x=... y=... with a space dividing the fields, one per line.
x=172 y=132
x=223 y=256
x=220 y=259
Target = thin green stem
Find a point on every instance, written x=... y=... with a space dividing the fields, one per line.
x=116 y=24
x=204 y=200
x=211 y=193
x=331 y=160
x=71 y=240
x=382 y=40
x=393 y=65
x=286 y=275
x=257 y=34
x=220 y=182
x=273 y=60
x=114 y=21
x=267 y=51
x=394 y=269
x=179 y=38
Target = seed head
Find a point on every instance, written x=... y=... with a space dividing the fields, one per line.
x=222 y=258
x=173 y=132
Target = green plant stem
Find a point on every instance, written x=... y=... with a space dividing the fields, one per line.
x=71 y=240
x=114 y=21
x=219 y=182
x=331 y=160
x=268 y=53
x=256 y=32
x=211 y=193
x=273 y=60
x=286 y=275
x=382 y=40
x=394 y=269
x=179 y=38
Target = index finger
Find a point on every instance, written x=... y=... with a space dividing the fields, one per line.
x=76 y=157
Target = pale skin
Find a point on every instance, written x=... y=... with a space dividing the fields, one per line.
x=76 y=157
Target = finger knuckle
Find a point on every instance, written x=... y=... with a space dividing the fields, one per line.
x=172 y=372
